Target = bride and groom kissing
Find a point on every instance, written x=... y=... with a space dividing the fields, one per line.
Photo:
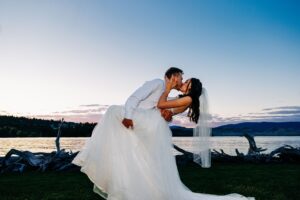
x=154 y=94
x=129 y=154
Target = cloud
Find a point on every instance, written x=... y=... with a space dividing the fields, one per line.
x=83 y=111
x=283 y=108
x=91 y=105
x=275 y=114
x=290 y=112
x=91 y=113
x=285 y=112
x=3 y=112
x=96 y=108
x=73 y=111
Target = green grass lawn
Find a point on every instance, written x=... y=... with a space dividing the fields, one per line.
x=263 y=181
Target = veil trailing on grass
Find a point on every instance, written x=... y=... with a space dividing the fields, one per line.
x=202 y=133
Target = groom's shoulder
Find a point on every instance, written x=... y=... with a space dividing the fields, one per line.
x=154 y=83
x=157 y=81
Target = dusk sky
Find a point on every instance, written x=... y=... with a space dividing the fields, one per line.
x=73 y=58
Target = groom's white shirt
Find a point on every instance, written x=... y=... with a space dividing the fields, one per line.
x=145 y=97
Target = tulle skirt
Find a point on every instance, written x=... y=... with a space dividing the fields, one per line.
x=136 y=164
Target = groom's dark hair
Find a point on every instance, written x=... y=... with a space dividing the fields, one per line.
x=173 y=70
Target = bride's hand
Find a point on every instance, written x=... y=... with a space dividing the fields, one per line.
x=166 y=114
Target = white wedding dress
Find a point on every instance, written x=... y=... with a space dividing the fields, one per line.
x=138 y=164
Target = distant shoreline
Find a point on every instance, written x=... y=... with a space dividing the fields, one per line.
x=11 y=126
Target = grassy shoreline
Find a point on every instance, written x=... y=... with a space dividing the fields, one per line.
x=262 y=181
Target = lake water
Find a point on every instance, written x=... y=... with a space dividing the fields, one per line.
x=228 y=144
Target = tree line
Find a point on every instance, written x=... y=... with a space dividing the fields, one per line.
x=12 y=126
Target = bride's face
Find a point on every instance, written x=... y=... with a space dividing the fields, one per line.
x=186 y=86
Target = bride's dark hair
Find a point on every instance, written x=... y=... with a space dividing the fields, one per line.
x=194 y=93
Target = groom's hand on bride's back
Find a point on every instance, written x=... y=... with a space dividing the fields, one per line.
x=128 y=123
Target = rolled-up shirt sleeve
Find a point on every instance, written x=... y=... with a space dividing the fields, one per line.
x=140 y=94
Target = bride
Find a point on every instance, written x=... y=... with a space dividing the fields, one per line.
x=138 y=163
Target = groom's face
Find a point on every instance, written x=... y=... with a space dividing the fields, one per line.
x=178 y=79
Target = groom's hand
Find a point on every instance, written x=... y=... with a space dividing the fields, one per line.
x=166 y=114
x=128 y=123
x=171 y=83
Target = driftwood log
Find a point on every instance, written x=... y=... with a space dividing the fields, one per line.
x=60 y=160
x=57 y=143
x=252 y=145
x=20 y=161
x=282 y=154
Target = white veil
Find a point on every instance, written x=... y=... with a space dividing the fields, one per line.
x=202 y=133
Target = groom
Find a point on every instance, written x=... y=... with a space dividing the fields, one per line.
x=147 y=96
